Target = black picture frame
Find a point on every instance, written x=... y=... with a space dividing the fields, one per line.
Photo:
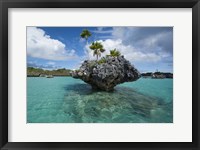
x=6 y=4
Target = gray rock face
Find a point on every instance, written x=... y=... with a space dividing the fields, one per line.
x=106 y=75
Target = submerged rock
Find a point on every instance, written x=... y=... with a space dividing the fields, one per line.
x=123 y=105
x=106 y=74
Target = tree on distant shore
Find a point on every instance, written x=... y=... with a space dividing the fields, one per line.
x=97 y=48
x=85 y=34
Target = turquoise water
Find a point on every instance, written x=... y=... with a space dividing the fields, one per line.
x=68 y=100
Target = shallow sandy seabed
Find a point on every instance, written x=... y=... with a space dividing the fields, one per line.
x=123 y=105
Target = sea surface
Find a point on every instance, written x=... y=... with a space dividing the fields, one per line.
x=69 y=100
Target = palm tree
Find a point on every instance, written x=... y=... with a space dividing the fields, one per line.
x=114 y=53
x=97 y=47
x=85 y=34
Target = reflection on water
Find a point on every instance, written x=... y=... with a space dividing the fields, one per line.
x=123 y=105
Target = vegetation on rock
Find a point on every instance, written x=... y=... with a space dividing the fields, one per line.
x=85 y=34
x=102 y=60
x=114 y=53
x=97 y=48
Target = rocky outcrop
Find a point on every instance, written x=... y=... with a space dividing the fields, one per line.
x=107 y=73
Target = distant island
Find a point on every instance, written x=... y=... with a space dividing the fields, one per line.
x=38 y=72
x=157 y=75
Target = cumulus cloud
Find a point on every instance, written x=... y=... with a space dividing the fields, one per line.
x=146 y=39
x=47 y=66
x=131 y=53
x=41 y=45
x=141 y=44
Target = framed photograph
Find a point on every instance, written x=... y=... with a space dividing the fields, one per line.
x=101 y=75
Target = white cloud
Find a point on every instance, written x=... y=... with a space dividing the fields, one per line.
x=51 y=63
x=147 y=39
x=41 y=45
x=101 y=30
x=46 y=66
x=161 y=42
x=129 y=52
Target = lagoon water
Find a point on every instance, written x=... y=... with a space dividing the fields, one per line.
x=68 y=100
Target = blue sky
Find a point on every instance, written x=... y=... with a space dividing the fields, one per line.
x=147 y=48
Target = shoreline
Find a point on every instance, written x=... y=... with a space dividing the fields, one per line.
x=45 y=77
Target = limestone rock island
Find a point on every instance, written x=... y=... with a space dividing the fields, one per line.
x=106 y=73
